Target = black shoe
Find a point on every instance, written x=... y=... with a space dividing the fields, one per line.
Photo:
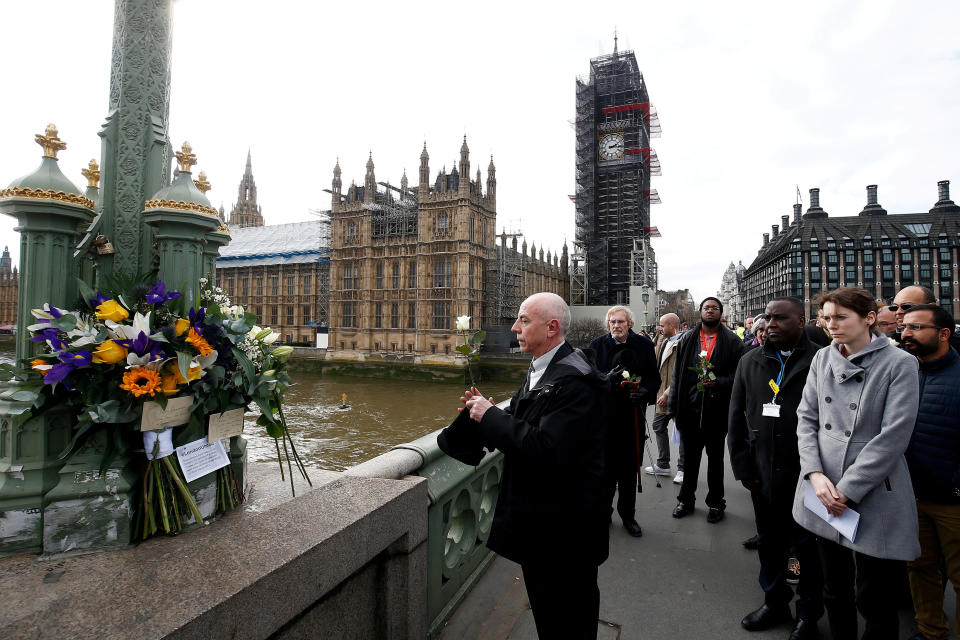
x=751 y=543
x=682 y=510
x=714 y=515
x=766 y=617
x=633 y=528
x=804 y=630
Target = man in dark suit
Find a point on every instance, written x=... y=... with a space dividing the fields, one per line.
x=700 y=406
x=623 y=351
x=551 y=514
x=762 y=438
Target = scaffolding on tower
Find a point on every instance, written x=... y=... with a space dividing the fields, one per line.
x=613 y=194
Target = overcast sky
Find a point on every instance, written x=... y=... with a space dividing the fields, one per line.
x=753 y=100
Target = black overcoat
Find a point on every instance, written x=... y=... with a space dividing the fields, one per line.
x=763 y=449
x=685 y=401
x=551 y=501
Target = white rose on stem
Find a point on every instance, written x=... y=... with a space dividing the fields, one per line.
x=463 y=323
x=703 y=354
x=625 y=374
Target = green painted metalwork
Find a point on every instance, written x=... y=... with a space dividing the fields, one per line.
x=462 y=502
x=135 y=148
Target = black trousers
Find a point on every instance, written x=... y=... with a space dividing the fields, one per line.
x=695 y=442
x=854 y=582
x=564 y=597
x=622 y=471
x=777 y=533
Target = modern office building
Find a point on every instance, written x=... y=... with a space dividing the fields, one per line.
x=815 y=252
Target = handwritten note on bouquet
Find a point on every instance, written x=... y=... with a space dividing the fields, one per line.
x=225 y=425
x=198 y=458
x=176 y=414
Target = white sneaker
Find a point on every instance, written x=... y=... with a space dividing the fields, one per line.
x=678 y=479
x=656 y=470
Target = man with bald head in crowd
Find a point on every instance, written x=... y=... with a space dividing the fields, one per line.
x=666 y=357
x=886 y=321
x=910 y=297
x=551 y=514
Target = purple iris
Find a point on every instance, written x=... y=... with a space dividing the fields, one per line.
x=158 y=293
x=196 y=318
x=50 y=333
x=69 y=360
x=99 y=300
x=143 y=346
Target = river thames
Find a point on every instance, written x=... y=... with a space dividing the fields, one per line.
x=380 y=415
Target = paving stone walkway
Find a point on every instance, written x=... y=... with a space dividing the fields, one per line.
x=684 y=579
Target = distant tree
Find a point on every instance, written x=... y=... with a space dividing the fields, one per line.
x=583 y=331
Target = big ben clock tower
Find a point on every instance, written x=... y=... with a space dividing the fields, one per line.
x=614 y=163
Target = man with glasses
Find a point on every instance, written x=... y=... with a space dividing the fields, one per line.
x=934 y=461
x=908 y=298
x=700 y=405
x=886 y=320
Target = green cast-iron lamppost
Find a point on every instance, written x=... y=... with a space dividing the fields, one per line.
x=136 y=222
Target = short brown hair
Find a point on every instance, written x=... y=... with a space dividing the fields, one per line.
x=857 y=299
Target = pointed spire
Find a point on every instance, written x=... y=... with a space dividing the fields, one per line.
x=424 y=156
x=370 y=181
x=249 y=169
x=403 y=184
x=423 y=188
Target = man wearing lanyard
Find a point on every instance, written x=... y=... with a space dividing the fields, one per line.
x=762 y=440
x=701 y=415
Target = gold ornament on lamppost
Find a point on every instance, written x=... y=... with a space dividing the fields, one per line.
x=202 y=184
x=186 y=158
x=92 y=174
x=50 y=141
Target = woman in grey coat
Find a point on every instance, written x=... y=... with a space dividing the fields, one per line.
x=856 y=417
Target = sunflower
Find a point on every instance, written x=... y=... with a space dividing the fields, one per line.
x=199 y=342
x=141 y=381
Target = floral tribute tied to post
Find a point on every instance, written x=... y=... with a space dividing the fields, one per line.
x=136 y=362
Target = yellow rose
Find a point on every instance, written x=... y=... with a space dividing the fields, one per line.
x=109 y=352
x=111 y=310
x=181 y=325
x=173 y=371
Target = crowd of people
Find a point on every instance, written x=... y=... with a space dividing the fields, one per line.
x=845 y=429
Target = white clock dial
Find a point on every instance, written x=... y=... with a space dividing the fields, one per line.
x=611 y=146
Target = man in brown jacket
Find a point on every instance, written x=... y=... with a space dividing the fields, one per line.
x=666 y=356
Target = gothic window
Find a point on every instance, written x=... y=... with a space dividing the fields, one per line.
x=443 y=223
x=275 y=285
x=273 y=315
x=351 y=231
x=441 y=315
x=379 y=275
x=441 y=272
x=290 y=288
x=259 y=286
x=306 y=284
x=289 y=315
x=471 y=275
x=411 y=315
x=349 y=315
x=306 y=314
x=395 y=316
x=412 y=279
x=378 y=316
x=244 y=286
x=470 y=228
x=396 y=275
x=350 y=275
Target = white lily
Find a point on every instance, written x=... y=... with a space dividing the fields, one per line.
x=141 y=324
x=463 y=323
x=271 y=337
x=84 y=334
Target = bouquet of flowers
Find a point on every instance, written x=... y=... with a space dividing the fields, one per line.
x=704 y=371
x=135 y=343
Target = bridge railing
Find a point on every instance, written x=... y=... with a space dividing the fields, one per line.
x=459 y=516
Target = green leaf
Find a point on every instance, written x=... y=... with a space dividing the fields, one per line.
x=478 y=337
x=86 y=292
x=183 y=363
x=464 y=349
x=65 y=322
x=24 y=396
x=244 y=362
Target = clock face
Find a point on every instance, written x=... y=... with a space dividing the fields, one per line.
x=611 y=146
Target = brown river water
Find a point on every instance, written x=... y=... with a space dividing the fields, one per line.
x=381 y=414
